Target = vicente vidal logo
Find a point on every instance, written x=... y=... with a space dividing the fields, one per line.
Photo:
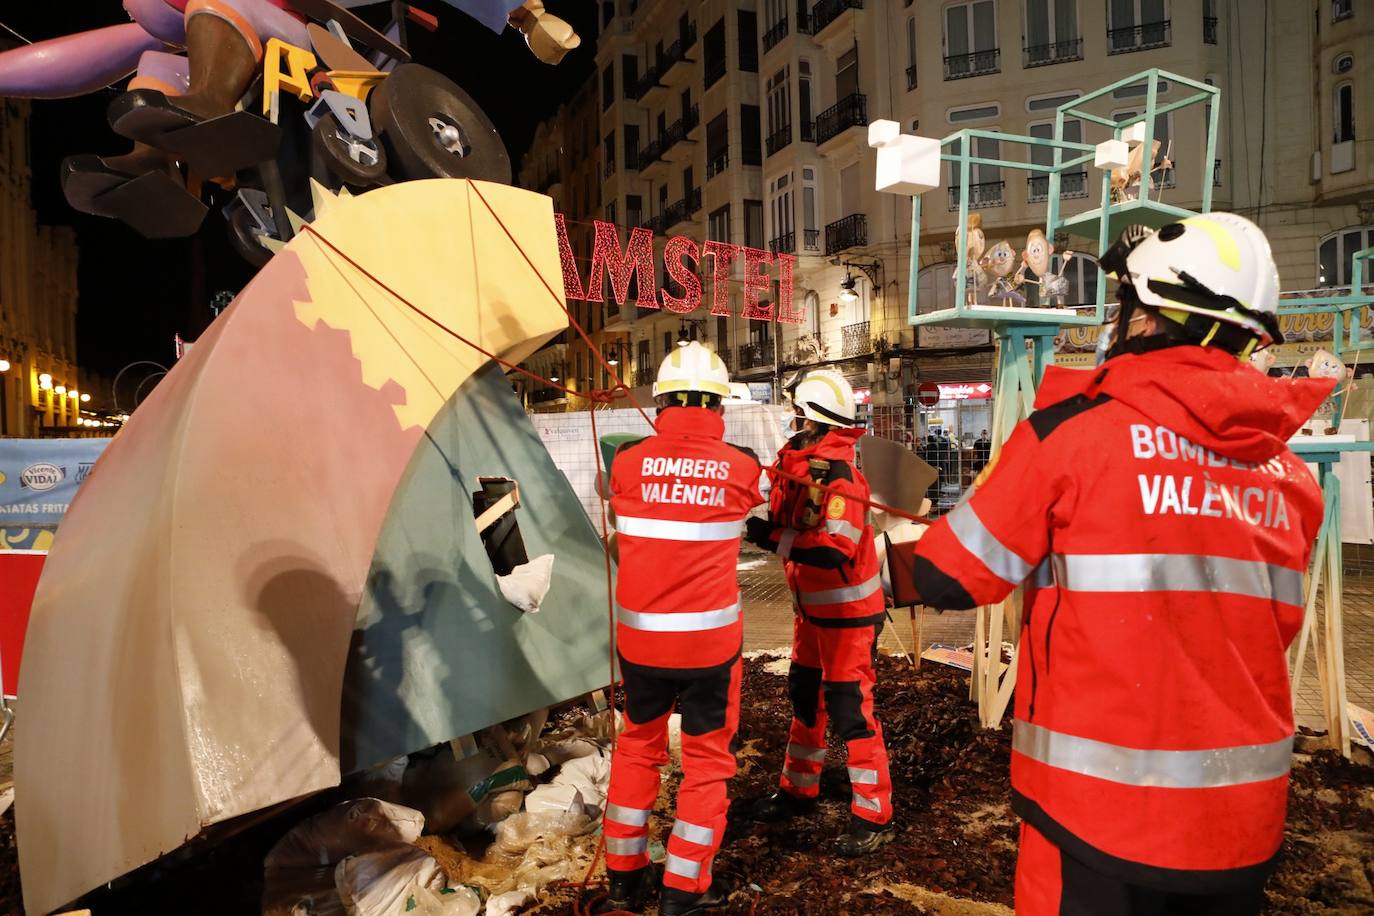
x=40 y=477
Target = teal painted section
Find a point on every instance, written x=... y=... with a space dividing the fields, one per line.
x=438 y=652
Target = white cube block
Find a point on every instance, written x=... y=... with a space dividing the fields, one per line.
x=883 y=133
x=1111 y=154
x=910 y=165
x=1135 y=134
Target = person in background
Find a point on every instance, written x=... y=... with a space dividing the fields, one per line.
x=679 y=498
x=1162 y=528
x=828 y=554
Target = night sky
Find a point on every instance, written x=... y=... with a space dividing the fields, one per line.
x=135 y=293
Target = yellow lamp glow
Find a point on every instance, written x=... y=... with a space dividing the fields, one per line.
x=45 y=381
x=61 y=389
x=85 y=397
x=4 y=365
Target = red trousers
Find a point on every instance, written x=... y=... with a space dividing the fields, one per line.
x=831 y=679
x=1052 y=883
x=710 y=716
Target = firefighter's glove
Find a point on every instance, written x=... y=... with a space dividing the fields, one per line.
x=759 y=532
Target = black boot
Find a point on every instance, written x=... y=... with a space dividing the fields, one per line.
x=680 y=903
x=864 y=837
x=629 y=890
x=781 y=806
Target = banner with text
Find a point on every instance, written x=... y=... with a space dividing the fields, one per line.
x=39 y=477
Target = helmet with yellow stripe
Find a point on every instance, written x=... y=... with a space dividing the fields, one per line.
x=1212 y=274
x=692 y=376
x=823 y=395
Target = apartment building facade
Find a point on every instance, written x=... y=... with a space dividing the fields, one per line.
x=678 y=82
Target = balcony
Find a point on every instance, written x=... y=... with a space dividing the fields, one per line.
x=1071 y=185
x=610 y=168
x=855 y=339
x=981 y=196
x=911 y=78
x=846 y=233
x=547 y=396
x=1209 y=30
x=1138 y=37
x=962 y=66
x=774 y=35
x=783 y=244
x=827 y=11
x=677 y=54
x=650 y=81
x=679 y=211
x=779 y=138
x=644 y=375
x=677 y=131
x=650 y=153
x=755 y=356
x=811 y=239
x=1057 y=52
x=717 y=164
x=851 y=111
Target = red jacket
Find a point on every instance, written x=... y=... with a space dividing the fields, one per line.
x=823 y=536
x=680 y=498
x=1162 y=528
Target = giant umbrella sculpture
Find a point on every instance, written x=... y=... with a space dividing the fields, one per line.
x=290 y=509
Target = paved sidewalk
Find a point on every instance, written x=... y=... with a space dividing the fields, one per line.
x=768 y=625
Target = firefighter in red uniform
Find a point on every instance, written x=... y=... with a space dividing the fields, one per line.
x=832 y=569
x=1161 y=527
x=680 y=498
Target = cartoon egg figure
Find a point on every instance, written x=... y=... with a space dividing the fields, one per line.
x=1037 y=253
x=1325 y=364
x=1000 y=260
x=1264 y=360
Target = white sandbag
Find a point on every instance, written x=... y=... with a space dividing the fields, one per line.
x=591 y=775
x=507 y=903
x=526 y=585
x=551 y=799
x=520 y=831
x=379 y=883
x=353 y=827
x=453 y=901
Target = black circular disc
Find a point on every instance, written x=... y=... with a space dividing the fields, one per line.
x=246 y=237
x=348 y=165
x=432 y=129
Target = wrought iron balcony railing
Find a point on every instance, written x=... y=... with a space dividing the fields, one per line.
x=644 y=375
x=827 y=11
x=804 y=26
x=779 y=138
x=849 y=232
x=651 y=152
x=690 y=39
x=783 y=244
x=1057 y=52
x=1209 y=29
x=850 y=111
x=1071 y=185
x=911 y=77
x=855 y=339
x=978 y=63
x=982 y=195
x=811 y=239
x=717 y=164
x=650 y=80
x=679 y=129
x=1141 y=37
x=755 y=355
x=775 y=34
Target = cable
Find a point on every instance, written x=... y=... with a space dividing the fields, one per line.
x=15 y=34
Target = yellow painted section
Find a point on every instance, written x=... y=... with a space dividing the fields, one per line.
x=1227 y=250
x=285 y=66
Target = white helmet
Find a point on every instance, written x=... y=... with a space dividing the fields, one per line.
x=823 y=395
x=692 y=368
x=1217 y=265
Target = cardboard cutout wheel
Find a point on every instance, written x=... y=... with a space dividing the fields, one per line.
x=432 y=129
x=246 y=236
x=356 y=163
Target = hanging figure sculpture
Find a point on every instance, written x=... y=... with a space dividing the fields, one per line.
x=1126 y=179
x=1000 y=261
x=1053 y=287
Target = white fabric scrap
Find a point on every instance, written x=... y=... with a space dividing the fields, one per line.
x=527 y=584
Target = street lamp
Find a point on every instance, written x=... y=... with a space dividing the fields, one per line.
x=847 y=293
x=4 y=365
x=60 y=390
x=85 y=398
x=45 y=381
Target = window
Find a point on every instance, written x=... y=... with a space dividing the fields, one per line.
x=780 y=211
x=1139 y=90
x=779 y=102
x=610 y=152
x=1082 y=276
x=1163 y=132
x=847 y=74
x=1342 y=9
x=804 y=100
x=688 y=186
x=634 y=210
x=629 y=76
x=1211 y=80
x=751 y=152
x=607 y=12
x=1335 y=254
x=713 y=53
x=1047 y=102
x=607 y=87
x=753 y=223
x=1136 y=25
x=662 y=198
x=631 y=146
x=722 y=334
x=642 y=358
x=1071 y=184
x=1343 y=64
x=1052 y=32
x=985 y=181
x=610 y=212
x=667 y=343
x=910 y=53
x=748 y=41
x=970 y=39
x=811 y=235
x=974 y=113
x=1209 y=21
x=718 y=225
x=717 y=144
x=1344 y=113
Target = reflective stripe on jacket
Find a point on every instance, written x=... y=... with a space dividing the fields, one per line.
x=1161 y=528
x=680 y=499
